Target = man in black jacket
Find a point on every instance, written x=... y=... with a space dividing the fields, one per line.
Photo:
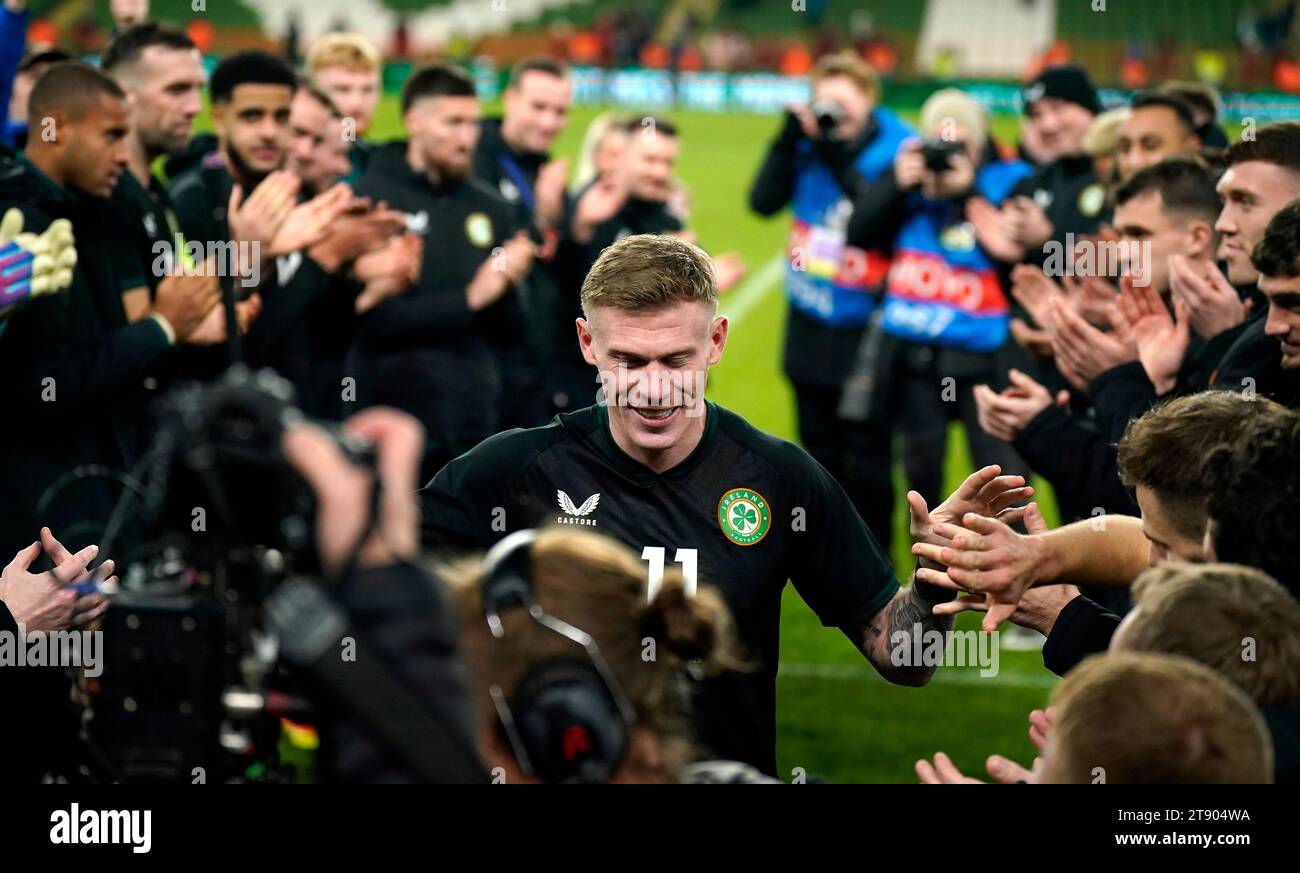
x=428 y=352
x=75 y=369
x=1169 y=210
x=1063 y=197
x=252 y=97
x=513 y=157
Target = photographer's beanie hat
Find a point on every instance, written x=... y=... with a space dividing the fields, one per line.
x=1069 y=82
x=951 y=103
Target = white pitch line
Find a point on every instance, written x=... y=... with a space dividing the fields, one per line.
x=943 y=676
x=738 y=303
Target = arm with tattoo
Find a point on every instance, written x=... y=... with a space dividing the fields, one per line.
x=886 y=639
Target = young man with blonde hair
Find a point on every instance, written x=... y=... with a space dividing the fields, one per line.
x=349 y=69
x=689 y=485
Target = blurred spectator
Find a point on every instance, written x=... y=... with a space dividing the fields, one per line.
x=401 y=44
x=514 y=157
x=1158 y=126
x=428 y=351
x=1205 y=102
x=832 y=165
x=292 y=36
x=1230 y=604
x=30 y=69
x=1102 y=142
x=603 y=146
x=1133 y=70
x=128 y=13
x=348 y=68
x=946 y=313
x=727 y=48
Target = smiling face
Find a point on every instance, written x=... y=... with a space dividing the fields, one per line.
x=1060 y=125
x=1283 y=323
x=1165 y=540
x=654 y=366
x=1151 y=134
x=537 y=107
x=650 y=158
x=1253 y=192
x=318 y=150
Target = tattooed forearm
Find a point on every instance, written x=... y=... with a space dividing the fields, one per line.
x=892 y=629
x=910 y=608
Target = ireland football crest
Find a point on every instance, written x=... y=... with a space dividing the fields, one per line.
x=744 y=516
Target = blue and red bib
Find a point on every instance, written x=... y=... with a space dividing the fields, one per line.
x=943 y=288
x=825 y=278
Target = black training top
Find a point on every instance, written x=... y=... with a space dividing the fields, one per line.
x=746 y=509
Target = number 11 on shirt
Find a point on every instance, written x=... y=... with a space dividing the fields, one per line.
x=685 y=557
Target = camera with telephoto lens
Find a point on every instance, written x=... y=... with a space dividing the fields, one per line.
x=938 y=154
x=828 y=114
x=192 y=688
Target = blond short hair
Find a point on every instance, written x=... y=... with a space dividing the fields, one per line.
x=1103 y=134
x=1236 y=620
x=1149 y=719
x=851 y=67
x=646 y=272
x=351 y=51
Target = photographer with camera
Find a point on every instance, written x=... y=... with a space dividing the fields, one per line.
x=830 y=153
x=946 y=313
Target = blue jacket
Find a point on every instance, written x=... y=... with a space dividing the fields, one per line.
x=943 y=288
x=825 y=278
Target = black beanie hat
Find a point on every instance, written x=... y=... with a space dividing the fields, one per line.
x=1069 y=82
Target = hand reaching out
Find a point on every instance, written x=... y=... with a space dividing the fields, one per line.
x=985 y=556
x=985 y=491
x=1003 y=770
